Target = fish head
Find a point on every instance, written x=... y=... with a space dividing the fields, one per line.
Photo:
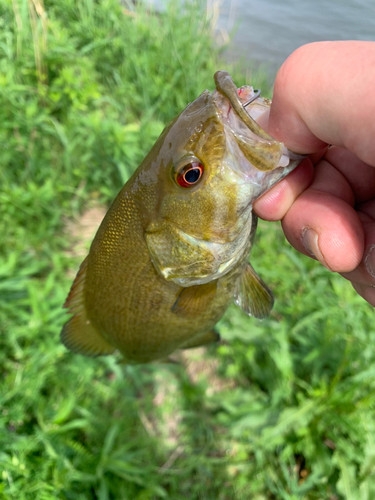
x=208 y=167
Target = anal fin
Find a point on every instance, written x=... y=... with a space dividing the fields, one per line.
x=253 y=295
x=79 y=335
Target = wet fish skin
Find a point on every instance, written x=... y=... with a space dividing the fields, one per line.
x=167 y=260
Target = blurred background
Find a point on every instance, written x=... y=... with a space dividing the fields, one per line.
x=264 y=33
x=281 y=409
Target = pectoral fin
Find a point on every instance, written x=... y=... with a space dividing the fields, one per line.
x=193 y=300
x=78 y=334
x=253 y=295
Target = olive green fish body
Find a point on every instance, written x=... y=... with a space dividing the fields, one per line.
x=137 y=307
x=172 y=251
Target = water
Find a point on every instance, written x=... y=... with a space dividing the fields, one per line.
x=267 y=31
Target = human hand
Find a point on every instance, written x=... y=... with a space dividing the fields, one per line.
x=324 y=94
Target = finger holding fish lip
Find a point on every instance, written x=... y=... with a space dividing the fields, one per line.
x=320 y=220
x=333 y=218
x=324 y=221
x=274 y=204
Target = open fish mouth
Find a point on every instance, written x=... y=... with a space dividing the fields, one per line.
x=227 y=88
x=263 y=151
x=251 y=101
x=255 y=155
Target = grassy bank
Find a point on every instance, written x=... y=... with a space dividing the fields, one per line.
x=284 y=409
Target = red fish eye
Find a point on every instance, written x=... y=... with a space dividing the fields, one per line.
x=190 y=175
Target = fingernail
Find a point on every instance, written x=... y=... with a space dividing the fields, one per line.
x=310 y=241
x=370 y=261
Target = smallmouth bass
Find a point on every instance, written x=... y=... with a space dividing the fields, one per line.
x=172 y=251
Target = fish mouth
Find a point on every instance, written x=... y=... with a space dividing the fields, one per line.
x=262 y=151
x=226 y=86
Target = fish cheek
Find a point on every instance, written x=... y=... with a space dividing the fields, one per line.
x=176 y=255
x=194 y=207
x=210 y=213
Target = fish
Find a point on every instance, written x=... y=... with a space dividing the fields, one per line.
x=173 y=250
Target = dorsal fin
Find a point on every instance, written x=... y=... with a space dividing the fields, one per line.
x=253 y=295
x=192 y=300
x=78 y=334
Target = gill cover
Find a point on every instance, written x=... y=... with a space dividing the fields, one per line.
x=187 y=260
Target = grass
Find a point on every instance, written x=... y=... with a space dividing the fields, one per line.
x=284 y=409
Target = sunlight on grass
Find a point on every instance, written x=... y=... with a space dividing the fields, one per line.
x=282 y=409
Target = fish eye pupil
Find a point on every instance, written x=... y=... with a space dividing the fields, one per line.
x=190 y=174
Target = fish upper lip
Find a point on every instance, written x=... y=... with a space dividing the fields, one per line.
x=229 y=110
x=226 y=111
x=228 y=90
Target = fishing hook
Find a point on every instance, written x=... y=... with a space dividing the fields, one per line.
x=255 y=96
